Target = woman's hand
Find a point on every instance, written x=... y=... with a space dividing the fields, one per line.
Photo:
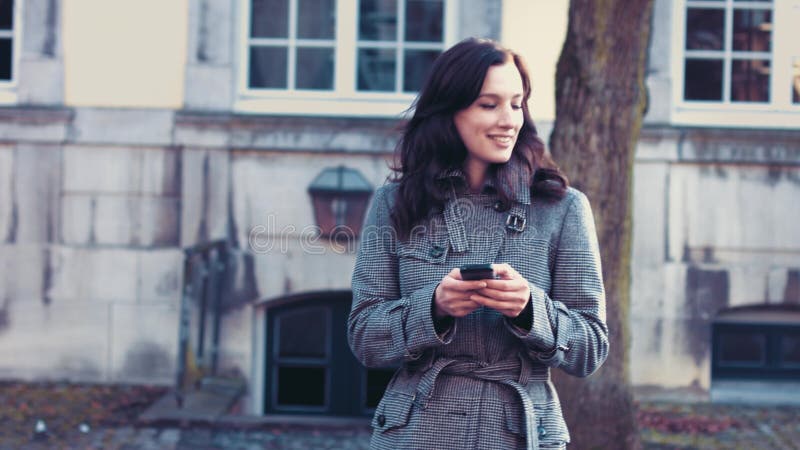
x=453 y=295
x=509 y=294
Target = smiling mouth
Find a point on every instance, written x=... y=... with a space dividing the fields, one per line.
x=502 y=139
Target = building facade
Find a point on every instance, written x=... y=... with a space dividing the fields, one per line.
x=128 y=136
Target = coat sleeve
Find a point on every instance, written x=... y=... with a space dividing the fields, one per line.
x=568 y=327
x=384 y=327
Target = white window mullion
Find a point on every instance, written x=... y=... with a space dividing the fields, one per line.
x=346 y=49
x=244 y=45
x=727 y=63
x=785 y=18
x=401 y=28
x=451 y=14
x=291 y=48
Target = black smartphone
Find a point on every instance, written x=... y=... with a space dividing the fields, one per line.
x=477 y=272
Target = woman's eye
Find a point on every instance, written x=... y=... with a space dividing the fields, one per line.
x=487 y=105
x=516 y=107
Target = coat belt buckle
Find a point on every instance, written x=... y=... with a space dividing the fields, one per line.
x=515 y=223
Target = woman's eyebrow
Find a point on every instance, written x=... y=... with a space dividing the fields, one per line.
x=498 y=96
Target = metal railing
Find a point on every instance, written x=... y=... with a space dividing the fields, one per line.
x=207 y=269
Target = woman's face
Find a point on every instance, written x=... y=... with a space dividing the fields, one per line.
x=490 y=125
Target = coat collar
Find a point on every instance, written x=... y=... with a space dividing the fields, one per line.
x=516 y=178
x=517 y=213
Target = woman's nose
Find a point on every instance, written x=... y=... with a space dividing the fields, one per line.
x=506 y=119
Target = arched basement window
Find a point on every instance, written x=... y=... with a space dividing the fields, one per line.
x=309 y=366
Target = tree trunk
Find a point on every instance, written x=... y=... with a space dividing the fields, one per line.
x=600 y=102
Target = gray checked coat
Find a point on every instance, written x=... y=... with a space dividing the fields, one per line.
x=483 y=382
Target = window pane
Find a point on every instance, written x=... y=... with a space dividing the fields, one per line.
x=301 y=386
x=376 y=69
x=796 y=82
x=378 y=20
x=702 y=79
x=417 y=64
x=742 y=349
x=790 y=350
x=5 y=59
x=314 y=68
x=316 y=19
x=6 y=14
x=303 y=333
x=377 y=380
x=270 y=19
x=424 y=19
x=750 y=80
x=751 y=30
x=268 y=67
x=705 y=29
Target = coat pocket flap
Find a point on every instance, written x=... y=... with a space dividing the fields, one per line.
x=393 y=411
x=515 y=418
x=429 y=250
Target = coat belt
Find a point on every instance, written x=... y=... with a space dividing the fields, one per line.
x=512 y=372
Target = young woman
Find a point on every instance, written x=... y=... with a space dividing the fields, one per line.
x=475 y=186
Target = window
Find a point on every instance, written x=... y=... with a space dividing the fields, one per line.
x=756 y=342
x=329 y=57
x=9 y=50
x=738 y=60
x=309 y=366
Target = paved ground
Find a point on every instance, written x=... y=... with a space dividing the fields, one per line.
x=108 y=412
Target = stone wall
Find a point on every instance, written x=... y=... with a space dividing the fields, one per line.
x=715 y=225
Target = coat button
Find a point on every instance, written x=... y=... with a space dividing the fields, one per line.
x=381 y=420
x=498 y=205
x=437 y=251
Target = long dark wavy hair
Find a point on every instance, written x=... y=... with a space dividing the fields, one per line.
x=430 y=145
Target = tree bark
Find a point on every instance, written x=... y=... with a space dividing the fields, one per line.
x=600 y=101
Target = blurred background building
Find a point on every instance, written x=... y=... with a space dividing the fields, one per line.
x=134 y=134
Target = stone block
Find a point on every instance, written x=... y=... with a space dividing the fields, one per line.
x=41 y=81
x=236 y=341
x=97 y=274
x=54 y=131
x=649 y=222
x=314 y=265
x=23 y=272
x=122 y=126
x=159 y=224
x=36 y=193
x=160 y=276
x=77 y=219
x=136 y=221
x=102 y=169
x=60 y=340
x=144 y=343
x=210 y=33
x=160 y=172
x=42 y=30
x=661 y=358
x=188 y=133
x=202 y=79
x=205 y=188
x=647 y=292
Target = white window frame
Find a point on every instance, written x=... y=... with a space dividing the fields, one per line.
x=344 y=99
x=779 y=111
x=8 y=88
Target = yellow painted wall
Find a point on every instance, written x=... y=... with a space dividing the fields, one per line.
x=125 y=53
x=536 y=29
